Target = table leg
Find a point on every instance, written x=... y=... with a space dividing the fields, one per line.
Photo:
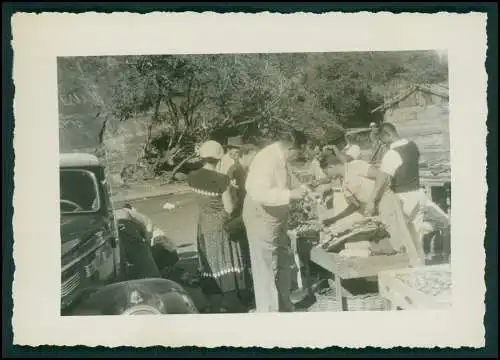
x=338 y=292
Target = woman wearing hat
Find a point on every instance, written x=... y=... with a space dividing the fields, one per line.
x=221 y=261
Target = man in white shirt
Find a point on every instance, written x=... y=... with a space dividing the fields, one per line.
x=270 y=190
x=400 y=171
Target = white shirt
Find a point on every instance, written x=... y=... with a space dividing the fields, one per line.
x=352 y=150
x=392 y=160
x=356 y=181
x=269 y=179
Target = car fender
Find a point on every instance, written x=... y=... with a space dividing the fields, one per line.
x=141 y=296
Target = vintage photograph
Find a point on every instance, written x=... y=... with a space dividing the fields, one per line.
x=266 y=182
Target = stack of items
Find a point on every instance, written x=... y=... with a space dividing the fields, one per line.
x=429 y=282
x=354 y=241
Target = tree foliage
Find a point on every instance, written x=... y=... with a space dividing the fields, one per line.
x=184 y=99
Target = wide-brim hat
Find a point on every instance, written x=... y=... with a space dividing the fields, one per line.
x=235 y=142
x=211 y=149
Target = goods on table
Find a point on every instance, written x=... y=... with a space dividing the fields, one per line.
x=304 y=211
x=417 y=288
x=428 y=282
x=366 y=230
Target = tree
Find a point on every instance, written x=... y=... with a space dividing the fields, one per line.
x=182 y=100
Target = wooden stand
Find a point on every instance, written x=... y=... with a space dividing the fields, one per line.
x=343 y=268
x=402 y=296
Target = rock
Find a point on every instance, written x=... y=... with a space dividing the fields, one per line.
x=180 y=176
x=169 y=206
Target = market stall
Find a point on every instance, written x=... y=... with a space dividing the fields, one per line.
x=356 y=248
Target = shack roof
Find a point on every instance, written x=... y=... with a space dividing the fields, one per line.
x=78 y=159
x=440 y=90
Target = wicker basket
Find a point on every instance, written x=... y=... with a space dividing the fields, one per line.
x=326 y=300
x=368 y=302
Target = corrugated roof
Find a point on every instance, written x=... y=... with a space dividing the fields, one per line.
x=440 y=90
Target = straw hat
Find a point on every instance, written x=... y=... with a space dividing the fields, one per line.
x=211 y=149
x=235 y=142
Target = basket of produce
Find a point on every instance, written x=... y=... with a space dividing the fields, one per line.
x=304 y=212
x=424 y=287
x=326 y=300
x=366 y=302
x=429 y=282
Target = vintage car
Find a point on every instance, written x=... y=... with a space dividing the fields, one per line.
x=99 y=275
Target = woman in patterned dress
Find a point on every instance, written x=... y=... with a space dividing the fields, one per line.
x=221 y=260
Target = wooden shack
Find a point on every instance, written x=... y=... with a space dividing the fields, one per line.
x=421 y=113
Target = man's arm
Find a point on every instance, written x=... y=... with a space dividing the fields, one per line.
x=390 y=163
x=351 y=208
x=381 y=182
x=344 y=158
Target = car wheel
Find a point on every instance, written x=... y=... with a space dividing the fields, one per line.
x=142 y=310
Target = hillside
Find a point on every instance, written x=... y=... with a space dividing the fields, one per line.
x=158 y=107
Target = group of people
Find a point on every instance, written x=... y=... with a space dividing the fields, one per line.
x=245 y=195
x=392 y=190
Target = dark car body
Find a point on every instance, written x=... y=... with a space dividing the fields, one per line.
x=94 y=260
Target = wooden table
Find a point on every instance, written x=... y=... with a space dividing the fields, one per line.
x=402 y=296
x=344 y=268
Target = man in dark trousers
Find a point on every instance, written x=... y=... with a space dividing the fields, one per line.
x=146 y=247
x=399 y=170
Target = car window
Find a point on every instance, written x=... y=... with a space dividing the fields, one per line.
x=78 y=191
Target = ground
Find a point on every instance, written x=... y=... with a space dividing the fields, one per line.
x=178 y=223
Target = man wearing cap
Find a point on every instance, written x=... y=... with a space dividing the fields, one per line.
x=343 y=150
x=232 y=148
x=400 y=171
x=378 y=147
x=270 y=190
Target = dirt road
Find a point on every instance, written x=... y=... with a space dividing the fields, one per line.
x=178 y=223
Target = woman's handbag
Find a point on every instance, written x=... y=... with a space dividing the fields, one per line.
x=235 y=227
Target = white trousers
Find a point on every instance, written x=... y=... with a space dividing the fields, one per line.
x=413 y=204
x=271 y=256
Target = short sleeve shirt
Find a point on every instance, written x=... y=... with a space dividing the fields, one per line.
x=392 y=160
x=356 y=181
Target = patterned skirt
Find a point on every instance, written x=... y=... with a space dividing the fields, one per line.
x=223 y=264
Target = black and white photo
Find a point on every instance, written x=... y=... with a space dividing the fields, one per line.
x=248 y=185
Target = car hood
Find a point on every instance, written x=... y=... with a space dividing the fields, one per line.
x=77 y=229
